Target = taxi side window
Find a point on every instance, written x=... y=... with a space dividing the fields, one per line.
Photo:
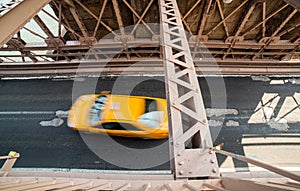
x=150 y=105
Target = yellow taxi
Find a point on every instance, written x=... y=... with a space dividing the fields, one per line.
x=120 y=115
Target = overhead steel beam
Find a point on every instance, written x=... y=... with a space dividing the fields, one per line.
x=121 y=26
x=204 y=17
x=205 y=12
x=265 y=20
x=79 y=21
x=67 y=25
x=222 y=17
x=227 y=17
x=13 y=20
x=150 y=43
x=187 y=14
x=43 y=26
x=99 y=18
x=150 y=66
x=140 y=17
x=191 y=9
x=187 y=117
x=277 y=31
x=294 y=3
x=240 y=26
x=119 y=18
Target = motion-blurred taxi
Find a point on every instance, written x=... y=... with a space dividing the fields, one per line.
x=120 y=115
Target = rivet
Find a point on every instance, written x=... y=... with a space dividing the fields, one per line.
x=181 y=172
x=181 y=163
x=210 y=152
x=178 y=154
x=212 y=161
x=214 y=170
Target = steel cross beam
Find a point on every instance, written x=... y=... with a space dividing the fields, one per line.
x=17 y=17
x=187 y=118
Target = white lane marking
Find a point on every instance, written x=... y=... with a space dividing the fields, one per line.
x=58 y=113
x=280 y=125
x=26 y=112
x=61 y=113
x=54 y=122
x=215 y=123
x=260 y=78
x=294 y=80
x=57 y=120
x=219 y=112
x=232 y=123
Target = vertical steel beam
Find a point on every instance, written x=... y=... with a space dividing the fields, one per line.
x=264 y=10
x=187 y=117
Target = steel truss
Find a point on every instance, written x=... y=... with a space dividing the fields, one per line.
x=210 y=22
x=187 y=118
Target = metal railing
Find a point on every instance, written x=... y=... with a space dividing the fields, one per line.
x=11 y=158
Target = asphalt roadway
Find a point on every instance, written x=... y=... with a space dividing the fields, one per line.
x=262 y=120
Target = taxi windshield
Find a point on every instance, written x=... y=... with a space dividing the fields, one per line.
x=95 y=113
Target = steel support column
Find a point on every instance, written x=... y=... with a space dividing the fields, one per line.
x=187 y=118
